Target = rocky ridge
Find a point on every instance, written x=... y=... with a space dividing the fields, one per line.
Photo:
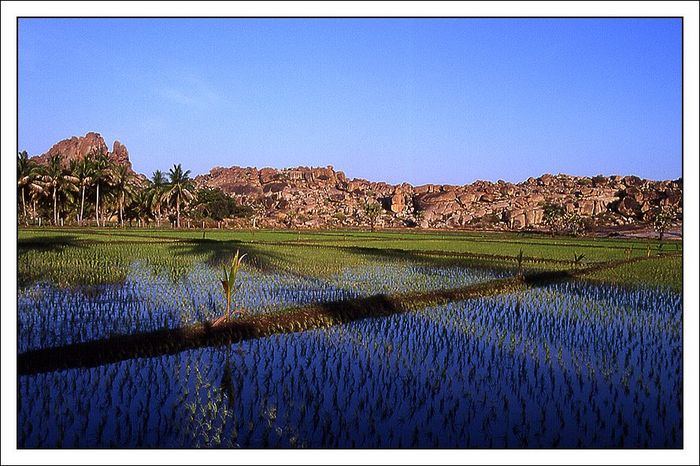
x=322 y=197
x=317 y=197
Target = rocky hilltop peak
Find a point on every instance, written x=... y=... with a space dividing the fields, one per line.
x=77 y=147
x=324 y=197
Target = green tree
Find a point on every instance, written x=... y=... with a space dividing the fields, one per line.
x=122 y=187
x=139 y=207
x=664 y=218
x=179 y=189
x=102 y=176
x=156 y=188
x=56 y=181
x=217 y=205
x=553 y=217
x=372 y=211
x=573 y=223
x=27 y=173
x=83 y=171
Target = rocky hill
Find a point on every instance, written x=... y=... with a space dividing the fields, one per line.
x=77 y=147
x=324 y=197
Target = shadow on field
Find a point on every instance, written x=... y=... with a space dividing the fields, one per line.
x=163 y=342
x=48 y=244
x=171 y=341
x=435 y=258
x=297 y=319
x=541 y=279
x=219 y=253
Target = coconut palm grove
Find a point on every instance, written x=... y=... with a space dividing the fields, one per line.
x=59 y=193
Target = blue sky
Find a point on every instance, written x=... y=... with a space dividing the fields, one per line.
x=423 y=101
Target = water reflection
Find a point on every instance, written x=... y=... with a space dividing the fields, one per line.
x=567 y=365
x=50 y=316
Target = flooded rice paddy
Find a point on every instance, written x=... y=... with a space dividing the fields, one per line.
x=49 y=315
x=572 y=364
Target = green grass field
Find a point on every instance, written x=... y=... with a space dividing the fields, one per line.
x=93 y=256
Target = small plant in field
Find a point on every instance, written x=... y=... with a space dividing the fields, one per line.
x=229 y=281
x=520 y=263
x=578 y=259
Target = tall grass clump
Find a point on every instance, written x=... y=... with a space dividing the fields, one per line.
x=228 y=282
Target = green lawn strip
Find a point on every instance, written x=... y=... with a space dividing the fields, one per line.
x=87 y=257
x=556 y=248
x=664 y=271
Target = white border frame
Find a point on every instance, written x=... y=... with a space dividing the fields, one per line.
x=11 y=10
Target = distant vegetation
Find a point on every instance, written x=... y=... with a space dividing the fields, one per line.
x=96 y=191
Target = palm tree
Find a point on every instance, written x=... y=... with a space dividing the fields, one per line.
x=140 y=207
x=57 y=181
x=122 y=184
x=83 y=170
x=156 y=189
x=102 y=176
x=36 y=191
x=179 y=189
x=27 y=172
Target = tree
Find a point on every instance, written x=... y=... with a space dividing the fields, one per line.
x=553 y=217
x=102 y=176
x=27 y=172
x=156 y=189
x=83 y=171
x=258 y=211
x=664 y=217
x=179 y=189
x=372 y=211
x=36 y=193
x=573 y=223
x=139 y=208
x=123 y=187
x=57 y=181
x=217 y=205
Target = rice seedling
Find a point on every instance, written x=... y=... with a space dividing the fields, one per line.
x=520 y=262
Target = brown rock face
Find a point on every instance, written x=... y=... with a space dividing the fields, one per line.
x=628 y=207
x=120 y=155
x=398 y=203
x=323 y=197
x=77 y=147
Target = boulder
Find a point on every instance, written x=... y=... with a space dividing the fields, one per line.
x=628 y=206
x=398 y=203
